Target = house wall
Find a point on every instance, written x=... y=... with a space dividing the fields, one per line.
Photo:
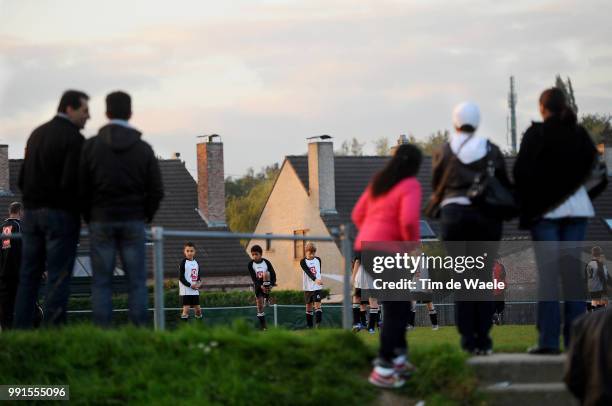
x=289 y=209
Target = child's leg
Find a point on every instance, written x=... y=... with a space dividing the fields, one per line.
x=356 y=306
x=373 y=321
x=318 y=313
x=433 y=314
x=185 y=313
x=309 y=323
x=412 y=314
x=198 y=311
x=261 y=315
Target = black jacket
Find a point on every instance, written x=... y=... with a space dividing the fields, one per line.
x=49 y=175
x=462 y=175
x=554 y=160
x=119 y=177
x=10 y=253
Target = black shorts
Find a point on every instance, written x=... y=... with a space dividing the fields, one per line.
x=260 y=293
x=312 y=296
x=190 y=300
x=359 y=293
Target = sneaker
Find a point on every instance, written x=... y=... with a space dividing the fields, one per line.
x=435 y=327
x=372 y=330
x=385 y=378
x=403 y=367
x=357 y=327
x=409 y=327
x=185 y=318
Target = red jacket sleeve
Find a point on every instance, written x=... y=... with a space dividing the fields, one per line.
x=361 y=208
x=410 y=212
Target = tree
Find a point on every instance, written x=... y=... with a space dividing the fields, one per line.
x=381 y=146
x=246 y=197
x=568 y=90
x=352 y=147
x=432 y=143
x=599 y=126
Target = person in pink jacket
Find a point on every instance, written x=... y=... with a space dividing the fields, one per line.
x=389 y=210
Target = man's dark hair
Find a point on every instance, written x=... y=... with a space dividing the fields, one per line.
x=72 y=98
x=15 y=207
x=405 y=163
x=119 y=105
x=256 y=248
x=189 y=244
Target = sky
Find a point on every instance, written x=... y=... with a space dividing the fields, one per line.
x=267 y=74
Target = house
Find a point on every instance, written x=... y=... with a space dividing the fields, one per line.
x=187 y=205
x=315 y=193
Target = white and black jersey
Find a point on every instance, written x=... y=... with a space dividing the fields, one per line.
x=257 y=270
x=189 y=273
x=311 y=272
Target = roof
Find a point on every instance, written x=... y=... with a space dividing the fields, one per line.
x=353 y=173
x=177 y=211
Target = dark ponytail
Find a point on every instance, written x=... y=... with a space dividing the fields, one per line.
x=555 y=102
x=405 y=163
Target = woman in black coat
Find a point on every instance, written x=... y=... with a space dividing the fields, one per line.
x=555 y=159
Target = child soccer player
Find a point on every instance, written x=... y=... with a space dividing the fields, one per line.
x=264 y=278
x=362 y=282
x=312 y=284
x=190 y=282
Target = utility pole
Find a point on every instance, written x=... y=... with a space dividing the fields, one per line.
x=512 y=106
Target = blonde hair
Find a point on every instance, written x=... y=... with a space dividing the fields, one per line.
x=310 y=247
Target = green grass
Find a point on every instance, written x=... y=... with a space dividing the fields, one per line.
x=507 y=338
x=237 y=365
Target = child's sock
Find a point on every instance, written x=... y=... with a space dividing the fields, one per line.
x=373 y=322
x=362 y=318
x=433 y=317
x=309 y=319
x=262 y=320
x=356 y=313
x=411 y=317
x=318 y=316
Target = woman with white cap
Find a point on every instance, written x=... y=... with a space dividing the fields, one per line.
x=456 y=165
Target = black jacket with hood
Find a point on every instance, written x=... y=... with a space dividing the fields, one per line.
x=119 y=177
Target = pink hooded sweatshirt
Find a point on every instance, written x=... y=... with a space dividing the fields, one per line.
x=393 y=216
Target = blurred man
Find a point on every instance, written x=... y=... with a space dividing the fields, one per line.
x=121 y=188
x=51 y=223
x=10 y=262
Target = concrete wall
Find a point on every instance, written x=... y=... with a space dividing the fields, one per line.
x=289 y=208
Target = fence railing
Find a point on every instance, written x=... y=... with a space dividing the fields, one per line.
x=158 y=235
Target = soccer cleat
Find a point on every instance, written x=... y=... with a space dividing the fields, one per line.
x=357 y=327
x=385 y=378
x=372 y=330
x=409 y=327
x=435 y=327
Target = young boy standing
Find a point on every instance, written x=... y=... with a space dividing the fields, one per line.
x=190 y=282
x=312 y=284
x=264 y=278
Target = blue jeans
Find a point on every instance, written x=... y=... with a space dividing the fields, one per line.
x=128 y=239
x=552 y=269
x=50 y=238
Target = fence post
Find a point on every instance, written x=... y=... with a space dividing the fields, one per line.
x=275 y=315
x=347 y=253
x=158 y=270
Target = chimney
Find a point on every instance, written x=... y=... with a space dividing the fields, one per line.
x=321 y=177
x=176 y=155
x=5 y=187
x=402 y=139
x=211 y=182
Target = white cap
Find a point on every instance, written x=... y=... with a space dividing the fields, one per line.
x=466 y=113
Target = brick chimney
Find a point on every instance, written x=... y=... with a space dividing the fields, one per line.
x=211 y=182
x=5 y=187
x=321 y=176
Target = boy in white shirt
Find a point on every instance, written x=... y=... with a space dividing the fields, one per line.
x=190 y=282
x=312 y=285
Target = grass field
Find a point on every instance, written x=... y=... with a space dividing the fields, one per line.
x=237 y=365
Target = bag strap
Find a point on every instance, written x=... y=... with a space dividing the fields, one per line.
x=437 y=194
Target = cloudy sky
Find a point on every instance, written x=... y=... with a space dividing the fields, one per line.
x=267 y=74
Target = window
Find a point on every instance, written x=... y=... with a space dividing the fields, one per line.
x=268 y=243
x=298 y=245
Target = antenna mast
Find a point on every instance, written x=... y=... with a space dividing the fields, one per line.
x=512 y=106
